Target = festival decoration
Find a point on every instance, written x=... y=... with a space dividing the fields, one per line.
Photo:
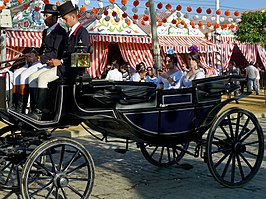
x=168 y=6
x=199 y=10
x=218 y=12
x=193 y=49
x=179 y=8
x=189 y=9
x=227 y=13
x=208 y=11
x=82 y=9
x=160 y=5
x=147 y=4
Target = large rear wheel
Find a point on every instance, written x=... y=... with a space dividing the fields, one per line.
x=235 y=147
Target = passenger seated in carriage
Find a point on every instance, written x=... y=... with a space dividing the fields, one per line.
x=170 y=78
x=6 y=72
x=194 y=72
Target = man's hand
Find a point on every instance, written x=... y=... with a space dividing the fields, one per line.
x=54 y=62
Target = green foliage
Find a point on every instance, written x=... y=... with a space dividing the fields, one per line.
x=252 y=28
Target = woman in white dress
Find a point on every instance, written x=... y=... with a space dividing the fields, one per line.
x=170 y=78
x=194 y=72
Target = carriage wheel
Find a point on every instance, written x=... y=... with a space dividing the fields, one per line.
x=163 y=155
x=10 y=164
x=68 y=171
x=235 y=147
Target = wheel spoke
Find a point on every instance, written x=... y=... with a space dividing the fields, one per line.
x=78 y=179
x=52 y=161
x=74 y=190
x=248 y=134
x=37 y=164
x=227 y=165
x=240 y=167
x=233 y=168
x=161 y=156
x=244 y=128
x=42 y=188
x=221 y=150
x=245 y=160
x=168 y=154
x=154 y=151
x=73 y=159
x=61 y=158
x=77 y=168
x=230 y=127
x=64 y=194
x=9 y=173
x=237 y=126
x=226 y=134
x=50 y=192
x=221 y=160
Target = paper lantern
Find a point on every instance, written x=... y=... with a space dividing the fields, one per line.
x=82 y=9
x=136 y=3
x=143 y=23
x=221 y=19
x=147 y=4
x=164 y=20
x=79 y=15
x=160 y=23
x=200 y=23
x=199 y=10
x=107 y=18
x=111 y=1
x=227 y=13
x=204 y=18
x=124 y=8
x=146 y=18
x=218 y=12
x=195 y=17
x=117 y=19
x=213 y=18
x=178 y=14
x=135 y=16
x=124 y=2
x=124 y=15
x=159 y=5
x=216 y=26
x=94 y=10
x=209 y=24
x=134 y=9
x=189 y=9
x=237 y=13
x=179 y=8
x=114 y=13
x=173 y=21
x=183 y=22
x=58 y=3
x=25 y=6
x=98 y=16
x=20 y=1
x=105 y=12
x=192 y=23
x=46 y=1
x=6 y=1
x=208 y=11
x=87 y=2
x=146 y=11
x=168 y=7
x=37 y=9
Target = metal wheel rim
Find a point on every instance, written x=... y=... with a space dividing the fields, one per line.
x=237 y=148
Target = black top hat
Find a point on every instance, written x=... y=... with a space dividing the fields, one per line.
x=50 y=8
x=66 y=8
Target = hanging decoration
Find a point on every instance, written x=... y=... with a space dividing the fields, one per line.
x=199 y=10
x=208 y=11
x=218 y=12
x=82 y=9
x=86 y=2
x=168 y=6
x=160 y=5
x=179 y=8
x=189 y=9
x=227 y=13
x=147 y=4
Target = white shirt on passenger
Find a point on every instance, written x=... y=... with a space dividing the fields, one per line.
x=9 y=78
x=135 y=77
x=114 y=75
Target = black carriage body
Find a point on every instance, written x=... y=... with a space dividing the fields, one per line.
x=137 y=111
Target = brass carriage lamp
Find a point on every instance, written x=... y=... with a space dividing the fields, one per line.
x=81 y=57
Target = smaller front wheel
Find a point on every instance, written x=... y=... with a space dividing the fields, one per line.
x=235 y=147
x=67 y=172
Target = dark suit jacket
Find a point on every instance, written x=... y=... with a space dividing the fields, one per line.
x=79 y=37
x=53 y=44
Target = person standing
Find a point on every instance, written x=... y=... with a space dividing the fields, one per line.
x=251 y=74
x=53 y=44
x=114 y=74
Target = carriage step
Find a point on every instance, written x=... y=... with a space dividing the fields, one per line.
x=123 y=151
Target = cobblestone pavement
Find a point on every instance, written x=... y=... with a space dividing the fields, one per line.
x=130 y=176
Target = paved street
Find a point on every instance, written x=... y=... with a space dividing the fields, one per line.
x=129 y=175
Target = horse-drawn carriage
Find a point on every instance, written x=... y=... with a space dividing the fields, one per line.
x=163 y=123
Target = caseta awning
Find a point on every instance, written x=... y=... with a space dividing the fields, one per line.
x=23 y=39
x=181 y=44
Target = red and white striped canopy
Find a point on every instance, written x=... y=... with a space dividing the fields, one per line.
x=181 y=44
x=24 y=39
x=121 y=39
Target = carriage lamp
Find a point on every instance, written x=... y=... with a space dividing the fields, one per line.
x=81 y=58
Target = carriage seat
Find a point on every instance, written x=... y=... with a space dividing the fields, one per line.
x=119 y=92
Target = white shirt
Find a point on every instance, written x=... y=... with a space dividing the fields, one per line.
x=135 y=77
x=73 y=28
x=114 y=75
